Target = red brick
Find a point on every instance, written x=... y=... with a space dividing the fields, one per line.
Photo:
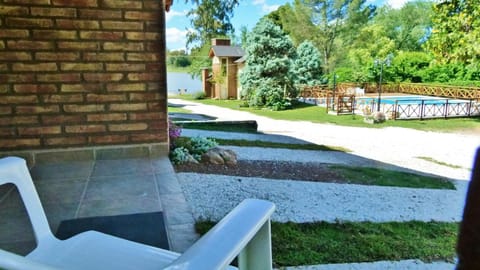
x=149 y=137
x=34 y=88
x=77 y=24
x=102 y=77
x=153 y=4
x=144 y=96
x=85 y=129
x=29 y=23
x=104 y=57
x=152 y=57
x=153 y=26
x=63 y=98
x=15 y=56
x=81 y=66
x=146 y=116
x=14 y=33
x=59 y=77
x=125 y=87
x=30 y=45
x=123 y=46
x=101 y=35
x=83 y=87
x=57 y=56
x=155 y=67
x=121 y=4
x=35 y=131
x=30 y=99
x=142 y=35
x=84 y=108
x=19 y=143
x=29 y=2
x=3 y=67
x=107 y=117
x=13 y=10
x=100 y=14
x=125 y=67
x=38 y=109
x=127 y=127
x=5 y=110
x=7 y=132
x=157 y=106
x=17 y=78
x=75 y=45
x=108 y=139
x=153 y=47
x=4 y=88
x=128 y=107
x=144 y=76
x=18 y=120
x=53 y=12
x=65 y=141
x=75 y=3
x=122 y=25
x=54 y=34
x=105 y=98
x=141 y=16
x=157 y=125
x=2 y=43
x=62 y=119
x=34 y=67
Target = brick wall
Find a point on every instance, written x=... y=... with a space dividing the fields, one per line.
x=76 y=73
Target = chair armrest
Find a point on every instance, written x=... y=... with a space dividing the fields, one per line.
x=250 y=220
x=13 y=261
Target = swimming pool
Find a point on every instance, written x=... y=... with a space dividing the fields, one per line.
x=418 y=107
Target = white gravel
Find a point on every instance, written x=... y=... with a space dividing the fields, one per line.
x=213 y=196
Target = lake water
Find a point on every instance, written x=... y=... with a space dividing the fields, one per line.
x=177 y=80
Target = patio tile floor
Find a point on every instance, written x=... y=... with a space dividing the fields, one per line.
x=124 y=181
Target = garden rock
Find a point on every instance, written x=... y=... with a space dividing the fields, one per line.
x=220 y=156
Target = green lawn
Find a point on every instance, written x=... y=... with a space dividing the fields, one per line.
x=315 y=114
x=347 y=242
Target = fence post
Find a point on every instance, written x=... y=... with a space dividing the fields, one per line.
x=446 y=109
x=422 y=109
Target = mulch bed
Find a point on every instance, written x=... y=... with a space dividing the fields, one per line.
x=316 y=172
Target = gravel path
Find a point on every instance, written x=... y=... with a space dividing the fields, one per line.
x=213 y=196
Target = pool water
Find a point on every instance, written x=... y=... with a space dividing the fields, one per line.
x=411 y=100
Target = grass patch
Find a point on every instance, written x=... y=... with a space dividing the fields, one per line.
x=174 y=109
x=382 y=177
x=440 y=162
x=321 y=243
x=316 y=114
x=258 y=143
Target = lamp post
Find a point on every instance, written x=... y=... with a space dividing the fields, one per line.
x=387 y=61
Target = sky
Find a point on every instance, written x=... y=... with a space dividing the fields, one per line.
x=246 y=14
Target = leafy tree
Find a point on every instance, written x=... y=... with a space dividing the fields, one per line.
x=267 y=77
x=200 y=60
x=408 y=26
x=178 y=58
x=456 y=32
x=210 y=19
x=307 y=65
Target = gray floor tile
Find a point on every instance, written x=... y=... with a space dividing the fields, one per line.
x=62 y=171
x=182 y=237
x=19 y=247
x=177 y=211
x=121 y=167
x=57 y=212
x=168 y=183
x=111 y=207
x=61 y=192
x=162 y=165
x=121 y=187
x=123 y=153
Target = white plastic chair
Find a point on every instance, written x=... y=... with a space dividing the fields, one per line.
x=245 y=232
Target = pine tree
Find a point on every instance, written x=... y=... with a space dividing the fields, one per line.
x=308 y=67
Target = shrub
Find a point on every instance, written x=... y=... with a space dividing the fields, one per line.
x=174 y=133
x=199 y=95
x=200 y=145
x=179 y=155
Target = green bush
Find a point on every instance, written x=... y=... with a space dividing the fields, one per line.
x=199 y=95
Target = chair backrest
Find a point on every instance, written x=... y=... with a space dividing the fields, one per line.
x=14 y=170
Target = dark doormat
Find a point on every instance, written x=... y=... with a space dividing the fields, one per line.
x=145 y=228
